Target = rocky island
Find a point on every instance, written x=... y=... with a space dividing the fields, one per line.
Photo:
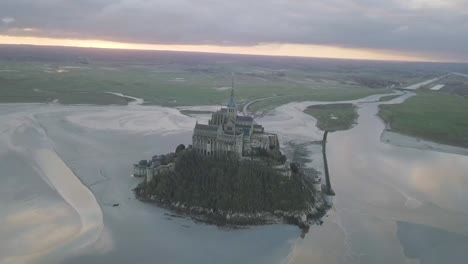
x=233 y=174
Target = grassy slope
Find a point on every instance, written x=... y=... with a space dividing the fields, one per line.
x=438 y=117
x=345 y=115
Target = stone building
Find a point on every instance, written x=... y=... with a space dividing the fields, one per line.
x=149 y=169
x=229 y=133
x=157 y=169
x=139 y=169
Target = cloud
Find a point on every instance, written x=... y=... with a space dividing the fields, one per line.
x=429 y=4
x=401 y=29
x=417 y=26
x=8 y=20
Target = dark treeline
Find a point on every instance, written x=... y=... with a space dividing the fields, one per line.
x=228 y=184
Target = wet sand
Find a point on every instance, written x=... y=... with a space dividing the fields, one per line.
x=383 y=192
x=378 y=187
x=99 y=145
x=44 y=199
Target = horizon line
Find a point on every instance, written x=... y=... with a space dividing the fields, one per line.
x=264 y=50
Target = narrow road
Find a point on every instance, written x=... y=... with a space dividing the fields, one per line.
x=245 y=109
x=136 y=100
x=424 y=83
x=460 y=74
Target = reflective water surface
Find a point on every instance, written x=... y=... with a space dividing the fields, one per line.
x=393 y=204
x=46 y=216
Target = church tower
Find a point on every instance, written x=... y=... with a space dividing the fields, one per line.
x=232 y=107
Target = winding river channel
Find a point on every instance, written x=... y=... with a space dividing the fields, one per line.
x=63 y=168
x=393 y=204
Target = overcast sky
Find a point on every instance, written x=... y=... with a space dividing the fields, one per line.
x=430 y=27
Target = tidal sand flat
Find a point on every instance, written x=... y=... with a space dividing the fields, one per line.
x=97 y=144
x=378 y=187
x=48 y=209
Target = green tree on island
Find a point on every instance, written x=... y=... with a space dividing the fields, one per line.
x=229 y=184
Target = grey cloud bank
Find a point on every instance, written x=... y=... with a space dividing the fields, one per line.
x=434 y=27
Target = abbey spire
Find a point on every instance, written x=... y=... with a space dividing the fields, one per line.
x=232 y=106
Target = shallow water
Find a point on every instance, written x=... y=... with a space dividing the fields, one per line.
x=380 y=186
x=100 y=152
x=393 y=204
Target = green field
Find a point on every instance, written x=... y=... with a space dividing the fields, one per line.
x=438 y=117
x=333 y=117
x=176 y=85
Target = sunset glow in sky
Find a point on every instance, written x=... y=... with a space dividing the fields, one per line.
x=296 y=50
x=408 y=30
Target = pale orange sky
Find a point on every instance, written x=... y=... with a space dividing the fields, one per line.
x=297 y=50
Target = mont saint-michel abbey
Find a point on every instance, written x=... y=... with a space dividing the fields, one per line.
x=229 y=133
